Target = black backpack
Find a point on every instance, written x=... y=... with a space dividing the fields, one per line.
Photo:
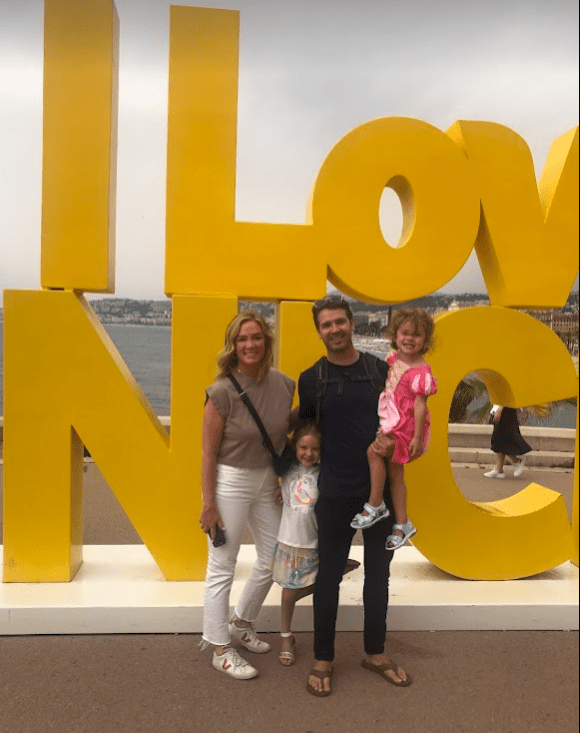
x=372 y=374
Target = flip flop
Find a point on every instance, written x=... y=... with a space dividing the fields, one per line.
x=322 y=675
x=382 y=669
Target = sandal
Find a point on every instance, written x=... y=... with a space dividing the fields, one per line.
x=382 y=669
x=321 y=674
x=394 y=541
x=351 y=564
x=374 y=515
x=288 y=658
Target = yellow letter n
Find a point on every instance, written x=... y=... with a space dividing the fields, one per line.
x=65 y=383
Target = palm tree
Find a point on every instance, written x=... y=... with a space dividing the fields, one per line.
x=470 y=389
x=471 y=404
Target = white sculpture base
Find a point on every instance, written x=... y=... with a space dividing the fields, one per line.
x=120 y=590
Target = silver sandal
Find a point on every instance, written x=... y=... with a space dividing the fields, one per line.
x=375 y=514
x=394 y=541
x=288 y=658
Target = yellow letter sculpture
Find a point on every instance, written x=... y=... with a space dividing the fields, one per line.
x=66 y=385
x=441 y=213
x=523 y=228
x=497 y=540
x=67 y=372
x=79 y=174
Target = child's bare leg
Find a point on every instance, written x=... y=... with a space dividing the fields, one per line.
x=383 y=447
x=398 y=493
x=290 y=596
x=378 y=472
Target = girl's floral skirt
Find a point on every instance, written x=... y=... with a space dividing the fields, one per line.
x=294 y=567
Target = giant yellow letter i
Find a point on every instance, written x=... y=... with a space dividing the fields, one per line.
x=66 y=385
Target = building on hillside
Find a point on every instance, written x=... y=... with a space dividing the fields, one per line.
x=556 y=320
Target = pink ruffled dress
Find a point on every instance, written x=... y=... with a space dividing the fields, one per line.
x=397 y=404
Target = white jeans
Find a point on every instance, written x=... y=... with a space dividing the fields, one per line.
x=243 y=495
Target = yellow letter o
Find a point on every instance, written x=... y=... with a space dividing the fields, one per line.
x=440 y=204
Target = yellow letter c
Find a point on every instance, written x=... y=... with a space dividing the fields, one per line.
x=522 y=363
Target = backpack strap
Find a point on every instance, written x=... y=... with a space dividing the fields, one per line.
x=371 y=365
x=372 y=375
x=321 y=371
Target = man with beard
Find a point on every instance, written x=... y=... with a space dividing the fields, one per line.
x=340 y=393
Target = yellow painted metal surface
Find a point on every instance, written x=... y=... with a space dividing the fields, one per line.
x=522 y=362
x=525 y=228
x=298 y=344
x=421 y=163
x=201 y=167
x=67 y=372
x=79 y=145
x=66 y=384
x=575 y=512
x=440 y=207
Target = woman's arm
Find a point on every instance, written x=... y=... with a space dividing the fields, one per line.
x=416 y=445
x=212 y=432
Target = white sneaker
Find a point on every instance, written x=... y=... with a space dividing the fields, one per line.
x=519 y=467
x=494 y=474
x=247 y=637
x=230 y=663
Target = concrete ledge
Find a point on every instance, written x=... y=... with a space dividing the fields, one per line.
x=537 y=458
x=562 y=440
x=120 y=590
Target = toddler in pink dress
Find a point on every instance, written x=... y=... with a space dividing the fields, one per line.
x=404 y=421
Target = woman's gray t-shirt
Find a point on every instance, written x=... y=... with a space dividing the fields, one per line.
x=242 y=445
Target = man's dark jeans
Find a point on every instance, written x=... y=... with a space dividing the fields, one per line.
x=334 y=540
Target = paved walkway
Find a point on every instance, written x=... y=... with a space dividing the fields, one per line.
x=465 y=682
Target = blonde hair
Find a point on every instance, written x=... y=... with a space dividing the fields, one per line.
x=227 y=359
x=420 y=319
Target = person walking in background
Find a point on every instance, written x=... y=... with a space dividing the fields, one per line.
x=507 y=441
x=239 y=485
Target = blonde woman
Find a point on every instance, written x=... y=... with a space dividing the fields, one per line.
x=239 y=486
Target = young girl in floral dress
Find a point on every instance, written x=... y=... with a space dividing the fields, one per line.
x=295 y=561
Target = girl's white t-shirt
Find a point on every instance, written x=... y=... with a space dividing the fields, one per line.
x=298 y=527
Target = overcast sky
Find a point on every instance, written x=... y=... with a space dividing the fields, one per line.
x=309 y=73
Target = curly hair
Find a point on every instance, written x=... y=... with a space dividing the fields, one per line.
x=227 y=359
x=420 y=319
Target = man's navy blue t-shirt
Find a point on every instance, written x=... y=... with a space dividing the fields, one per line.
x=348 y=422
